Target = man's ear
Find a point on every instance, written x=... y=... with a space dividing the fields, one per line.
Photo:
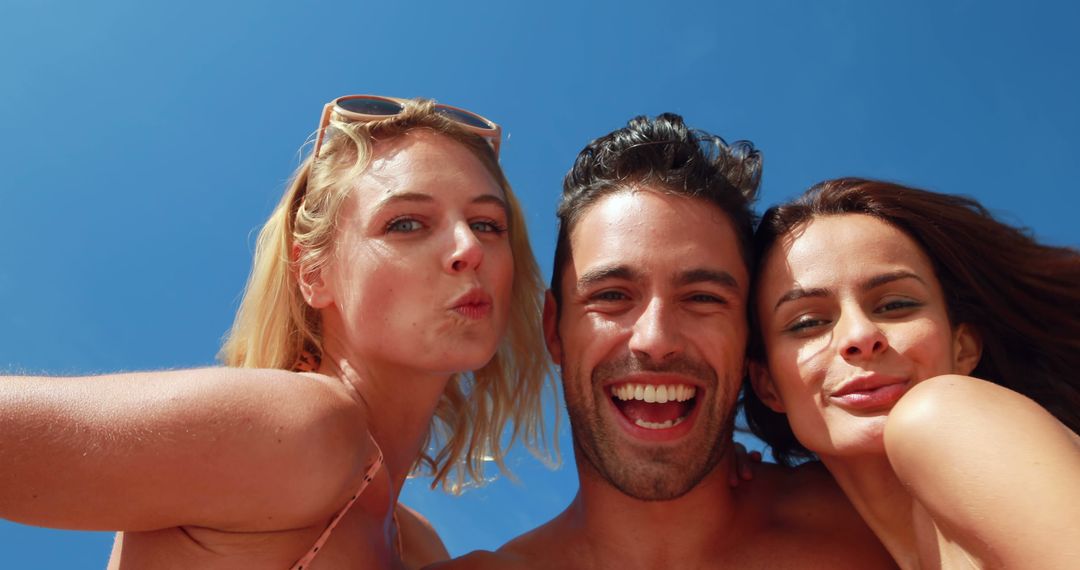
x=764 y=387
x=551 y=328
x=311 y=281
x=967 y=348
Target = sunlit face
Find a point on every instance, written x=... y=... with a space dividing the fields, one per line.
x=421 y=271
x=651 y=339
x=852 y=316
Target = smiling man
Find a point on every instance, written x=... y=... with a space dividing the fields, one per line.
x=646 y=317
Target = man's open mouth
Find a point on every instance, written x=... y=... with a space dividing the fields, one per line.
x=654 y=406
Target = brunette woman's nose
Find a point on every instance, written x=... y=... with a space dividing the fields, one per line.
x=860 y=337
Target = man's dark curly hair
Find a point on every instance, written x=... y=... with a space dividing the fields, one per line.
x=665 y=155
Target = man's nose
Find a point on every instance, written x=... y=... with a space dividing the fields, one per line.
x=655 y=334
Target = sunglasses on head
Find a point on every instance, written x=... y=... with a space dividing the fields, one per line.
x=360 y=108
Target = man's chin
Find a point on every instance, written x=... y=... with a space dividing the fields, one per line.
x=653 y=472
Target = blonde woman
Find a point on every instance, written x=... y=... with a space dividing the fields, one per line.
x=390 y=325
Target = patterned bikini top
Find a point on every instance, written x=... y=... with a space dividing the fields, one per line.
x=369 y=475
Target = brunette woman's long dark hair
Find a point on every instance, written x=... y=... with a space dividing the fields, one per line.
x=1021 y=296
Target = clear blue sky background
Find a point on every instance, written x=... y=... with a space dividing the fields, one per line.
x=144 y=142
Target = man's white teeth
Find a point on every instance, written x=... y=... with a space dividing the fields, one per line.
x=654 y=394
x=660 y=425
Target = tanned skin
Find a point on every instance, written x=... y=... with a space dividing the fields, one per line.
x=655 y=293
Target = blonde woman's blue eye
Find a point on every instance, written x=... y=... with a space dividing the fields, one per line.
x=487 y=227
x=404 y=225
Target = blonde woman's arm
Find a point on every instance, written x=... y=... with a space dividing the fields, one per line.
x=230 y=449
x=998 y=473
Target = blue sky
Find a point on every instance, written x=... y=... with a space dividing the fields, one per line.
x=145 y=142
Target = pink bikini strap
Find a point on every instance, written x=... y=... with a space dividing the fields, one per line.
x=369 y=475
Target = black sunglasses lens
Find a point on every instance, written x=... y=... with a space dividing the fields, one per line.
x=366 y=106
x=462 y=117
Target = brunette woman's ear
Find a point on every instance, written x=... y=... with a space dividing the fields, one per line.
x=967 y=349
x=311 y=281
x=551 y=328
x=765 y=388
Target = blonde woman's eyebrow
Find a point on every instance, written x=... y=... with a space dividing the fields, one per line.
x=492 y=199
x=404 y=197
x=428 y=198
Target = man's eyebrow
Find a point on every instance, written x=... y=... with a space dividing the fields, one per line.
x=875 y=281
x=703 y=275
x=599 y=274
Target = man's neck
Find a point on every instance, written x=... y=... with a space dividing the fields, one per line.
x=614 y=530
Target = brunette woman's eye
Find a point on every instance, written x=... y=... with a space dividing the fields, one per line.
x=804 y=324
x=404 y=225
x=897 y=305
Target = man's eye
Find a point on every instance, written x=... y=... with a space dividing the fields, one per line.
x=707 y=298
x=609 y=296
x=404 y=225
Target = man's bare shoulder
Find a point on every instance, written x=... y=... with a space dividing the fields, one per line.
x=805 y=490
x=484 y=560
x=805 y=512
x=530 y=551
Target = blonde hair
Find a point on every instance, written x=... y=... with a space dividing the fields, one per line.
x=274 y=324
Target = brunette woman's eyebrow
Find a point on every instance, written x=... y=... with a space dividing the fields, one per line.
x=875 y=281
x=800 y=293
x=879 y=280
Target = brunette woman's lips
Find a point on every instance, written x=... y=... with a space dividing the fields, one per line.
x=474 y=305
x=870 y=393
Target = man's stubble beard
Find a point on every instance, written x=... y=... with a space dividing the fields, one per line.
x=650 y=472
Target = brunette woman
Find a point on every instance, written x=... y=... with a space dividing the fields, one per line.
x=928 y=354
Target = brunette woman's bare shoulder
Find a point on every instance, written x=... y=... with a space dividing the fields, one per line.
x=971 y=451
